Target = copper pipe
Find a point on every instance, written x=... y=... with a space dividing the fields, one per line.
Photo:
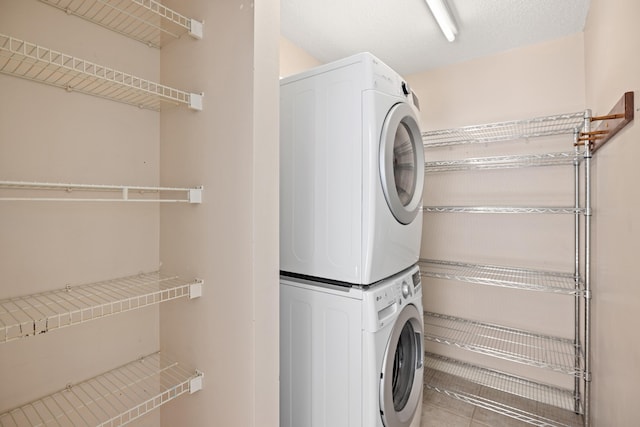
x=608 y=117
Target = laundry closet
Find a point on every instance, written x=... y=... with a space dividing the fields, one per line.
x=480 y=215
x=220 y=236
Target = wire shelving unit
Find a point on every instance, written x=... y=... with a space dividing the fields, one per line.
x=41 y=191
x=515 y=345
x=114 y=398
x=502 y=276
x=27 y=60
x=35 y=314
x=556 y=354
x=144 y=20
x=128 y=392
x=562 y=124
x=517 y=386
x=503 y=162
x=503 y=209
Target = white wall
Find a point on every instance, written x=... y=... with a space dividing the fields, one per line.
x=231 y=239
x=612 y=40
x=294 y=59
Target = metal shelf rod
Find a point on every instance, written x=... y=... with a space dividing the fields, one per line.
x=587 y=276
x=576 y=270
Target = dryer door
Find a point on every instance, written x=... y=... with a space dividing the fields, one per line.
x=402 y=370
x=402 y=163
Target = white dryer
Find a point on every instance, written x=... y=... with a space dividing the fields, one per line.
x=351 y=356
x=352 y=170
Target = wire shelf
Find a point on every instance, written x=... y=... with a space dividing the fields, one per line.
x=513 y=385
x=88 y=193
x=40 y=313
x=506 y=277
x=144 y=20
x=508 y=410
x=543 y=351
x=503 y=209
x=506 y=131
x=115 y=398
x=504 y=162
x=32 y=62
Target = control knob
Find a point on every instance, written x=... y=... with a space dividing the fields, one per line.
x=406 y=290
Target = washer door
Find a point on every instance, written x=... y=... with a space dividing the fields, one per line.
x=402 y=163
x=402 y=370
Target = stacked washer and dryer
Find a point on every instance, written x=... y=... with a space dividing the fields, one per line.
x=351 y=180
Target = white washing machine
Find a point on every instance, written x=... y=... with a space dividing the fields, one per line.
x=351 y=356
x=352 y=170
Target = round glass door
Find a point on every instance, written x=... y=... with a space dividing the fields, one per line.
x=402 y=370
x=402 y=163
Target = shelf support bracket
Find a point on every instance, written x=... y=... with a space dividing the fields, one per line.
x=196 y=29
x=195 y=383
x=195 y=195
x=195 y=101
x=195 y=289
x=620 y=116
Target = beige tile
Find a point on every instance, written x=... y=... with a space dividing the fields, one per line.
x=561 y=415
x=427 y=374
x=435 y=416
x=485 y=417
x=509 y=399
x=444 y=381
x=456 y=383
x=451 y=404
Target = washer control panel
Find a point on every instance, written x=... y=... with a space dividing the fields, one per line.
x=383 y=301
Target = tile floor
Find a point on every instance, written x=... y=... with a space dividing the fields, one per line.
x=440 y=410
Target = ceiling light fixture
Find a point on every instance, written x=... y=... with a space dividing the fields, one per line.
x=443 y=16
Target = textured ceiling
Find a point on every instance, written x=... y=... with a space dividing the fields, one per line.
x=404 y=34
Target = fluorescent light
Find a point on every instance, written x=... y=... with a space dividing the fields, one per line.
x=444 y=18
